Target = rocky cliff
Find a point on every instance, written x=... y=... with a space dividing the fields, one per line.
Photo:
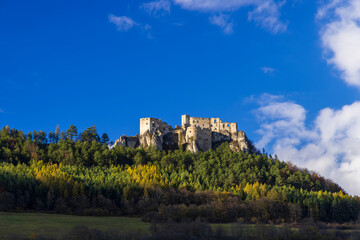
x=171 y=141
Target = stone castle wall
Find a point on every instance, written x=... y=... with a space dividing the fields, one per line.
x=194 y=134
x=154 y=125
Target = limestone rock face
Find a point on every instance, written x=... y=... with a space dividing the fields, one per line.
x=219 y=138
x=192 y=147
x=133 y=142
x=121 y=141
x=170 y=141
x=127 y=142
x=242 y=141
x=239 y=142
x=224 y=136
x=154 y=139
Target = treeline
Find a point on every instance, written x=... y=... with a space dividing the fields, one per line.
x=79 y=174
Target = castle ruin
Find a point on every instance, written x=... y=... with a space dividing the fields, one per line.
x=195 y=134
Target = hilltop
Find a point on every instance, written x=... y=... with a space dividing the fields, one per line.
x=81 y=175
x=195 y=134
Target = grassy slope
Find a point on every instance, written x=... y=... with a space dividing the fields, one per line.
x=25 y=224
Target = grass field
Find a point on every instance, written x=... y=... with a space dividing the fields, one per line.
x=55 y=225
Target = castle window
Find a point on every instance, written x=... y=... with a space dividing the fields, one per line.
x=146 y=123
x=211 y=125
x=215 y=128
x=228 y=125
x=203 y=124
x=197 y=121
x=215 y=121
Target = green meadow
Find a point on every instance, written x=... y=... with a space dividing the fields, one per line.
x=55 y=225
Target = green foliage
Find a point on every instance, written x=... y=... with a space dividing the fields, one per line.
x=84 y=176
x=89 y=135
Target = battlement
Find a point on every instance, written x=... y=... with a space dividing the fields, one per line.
x=215 y=124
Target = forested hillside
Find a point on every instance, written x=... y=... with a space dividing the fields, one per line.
x=76 y=173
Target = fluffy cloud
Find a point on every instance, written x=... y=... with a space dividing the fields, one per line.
x=223 y=21
x=157 y=7
x=340 y=36
x=123 y=23
x=265 y=12
x=329 y=144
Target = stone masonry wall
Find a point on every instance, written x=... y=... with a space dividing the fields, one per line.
x=194 y=134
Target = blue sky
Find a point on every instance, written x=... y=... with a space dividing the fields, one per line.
x=287 y=71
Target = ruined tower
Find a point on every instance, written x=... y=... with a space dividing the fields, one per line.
x=194 y=134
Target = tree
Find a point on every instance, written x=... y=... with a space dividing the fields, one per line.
x=72 y=133
x=89 y=135
x=7 y=129
x=52 y=138
x=104 y=138
x=57 y=133
x=63 y=135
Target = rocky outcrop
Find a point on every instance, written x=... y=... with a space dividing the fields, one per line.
x=121 y=142
x=171 y=141
x=154 y=139
x=192 y=147
x=125 y=141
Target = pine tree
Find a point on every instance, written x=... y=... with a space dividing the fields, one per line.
x=89 y=135
x=72 y=133
x=57 y=133
x=104 y=138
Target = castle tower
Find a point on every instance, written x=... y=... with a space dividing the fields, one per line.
x=185 y=120
x=145 y=124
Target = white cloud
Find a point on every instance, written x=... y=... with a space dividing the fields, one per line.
x=340 y=37
x=268 y=70
x=161 y=7
x=328 y=145
x=223 y=21
x=324 y=9
x=214 y=5
x=265 y=13
x=123 y=23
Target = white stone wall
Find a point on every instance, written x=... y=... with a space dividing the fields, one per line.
x=154 y=125
x=215 y=124
x=145 y=124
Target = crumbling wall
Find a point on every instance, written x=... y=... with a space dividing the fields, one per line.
x=195 y=134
